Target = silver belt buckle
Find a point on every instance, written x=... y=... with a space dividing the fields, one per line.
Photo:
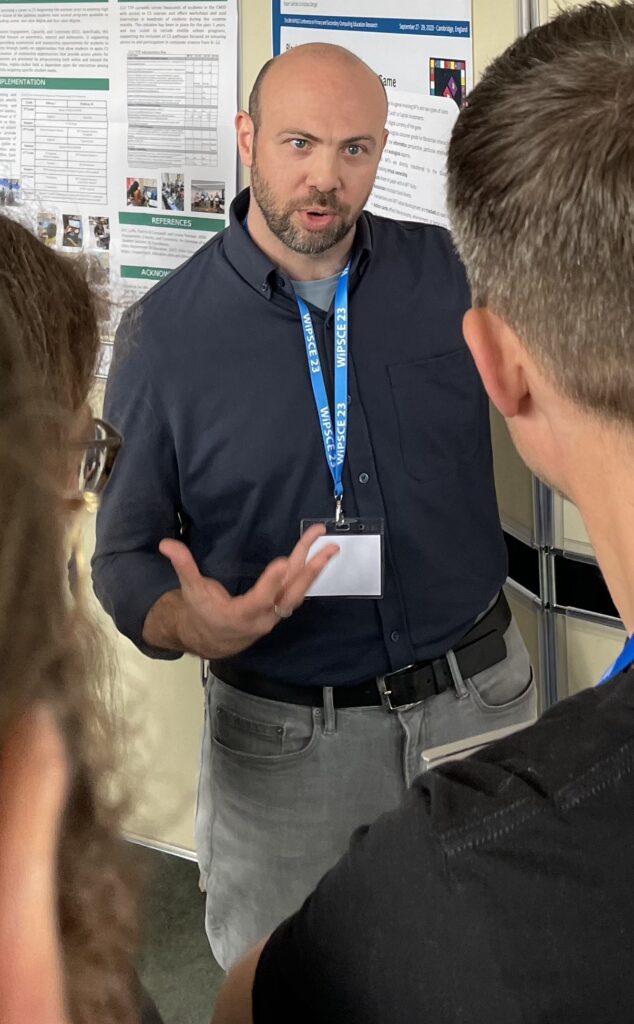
x=386 y=693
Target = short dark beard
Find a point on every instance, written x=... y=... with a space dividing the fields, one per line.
x=308 y=243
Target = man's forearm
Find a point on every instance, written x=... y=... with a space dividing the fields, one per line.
x=171 y=625
x=165 y=625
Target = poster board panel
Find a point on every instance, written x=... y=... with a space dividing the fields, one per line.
x=585 y=650
x=159 y=705
x=570 y=534
x=513 y=483
x=161 y=709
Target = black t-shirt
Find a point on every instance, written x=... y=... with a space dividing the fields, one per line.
x=500 y=892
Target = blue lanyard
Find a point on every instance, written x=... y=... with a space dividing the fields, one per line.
x=624 y=660
x=335 y=436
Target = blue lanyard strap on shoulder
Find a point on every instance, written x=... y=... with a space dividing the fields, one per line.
x=624 y=660
x=334 y=434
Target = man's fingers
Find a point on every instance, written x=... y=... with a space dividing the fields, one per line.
x=299 y=554
x=296 y=586
x=284 y=583
x=262 y=595
x=183 y=562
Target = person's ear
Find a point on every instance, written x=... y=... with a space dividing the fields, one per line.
x=245 y=131
x=496 y=351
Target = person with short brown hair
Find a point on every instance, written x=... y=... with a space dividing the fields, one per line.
x=501 y=890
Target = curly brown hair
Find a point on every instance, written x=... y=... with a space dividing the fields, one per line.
x=49 y=652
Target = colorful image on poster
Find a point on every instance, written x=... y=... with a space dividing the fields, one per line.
x=448 y=78
x=73 y=233
x=100 y=231
x=47 y=228
x=9 y=191
x=173 y=192
x=141 y=192
x=208 y=196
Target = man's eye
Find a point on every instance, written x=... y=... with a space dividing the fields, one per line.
x=299 y=144
x=354 y=150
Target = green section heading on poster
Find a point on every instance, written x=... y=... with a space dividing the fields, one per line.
x=33 y=82
x=147 y=273
x=172 y=220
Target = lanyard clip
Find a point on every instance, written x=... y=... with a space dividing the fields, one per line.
x=339 y=510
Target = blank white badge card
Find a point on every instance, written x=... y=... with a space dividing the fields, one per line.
x=357 y=571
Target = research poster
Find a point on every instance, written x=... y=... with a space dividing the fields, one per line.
x=116 y=132
x=422 y=50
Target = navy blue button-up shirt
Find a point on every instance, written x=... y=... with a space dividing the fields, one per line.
x=211 y=390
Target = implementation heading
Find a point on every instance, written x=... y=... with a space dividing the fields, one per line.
x=23 y=82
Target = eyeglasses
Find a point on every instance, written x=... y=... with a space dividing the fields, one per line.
x=98 y=455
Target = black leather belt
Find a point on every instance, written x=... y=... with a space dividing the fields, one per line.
x=479 y=649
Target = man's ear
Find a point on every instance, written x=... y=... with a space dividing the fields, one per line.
x=496 y=352
x=245 y=131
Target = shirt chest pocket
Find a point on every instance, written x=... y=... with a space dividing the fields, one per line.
x=441 y=411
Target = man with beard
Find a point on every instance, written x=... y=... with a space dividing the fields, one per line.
x=308 y=364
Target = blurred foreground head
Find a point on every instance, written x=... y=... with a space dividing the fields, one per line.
x=66 y=911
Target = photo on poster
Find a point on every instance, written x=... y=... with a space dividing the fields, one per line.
x=142 y=192
x=10 y=191
x=173 y=192
x=73 y=232
x=100 y=231
x=448 y=78
x=208 y=197
x=47 y=228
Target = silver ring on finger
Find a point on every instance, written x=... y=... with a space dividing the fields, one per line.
x=280 y=614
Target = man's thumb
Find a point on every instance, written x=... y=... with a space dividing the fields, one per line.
x=182 y=560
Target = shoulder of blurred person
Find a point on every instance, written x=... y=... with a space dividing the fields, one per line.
x=491 y=866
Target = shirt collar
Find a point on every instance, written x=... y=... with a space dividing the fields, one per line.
x=256 y=268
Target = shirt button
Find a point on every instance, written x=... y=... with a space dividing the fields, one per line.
x=395 y=636
x=264 y=287
x=363 y=478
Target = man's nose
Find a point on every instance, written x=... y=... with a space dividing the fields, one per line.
x=324 y=171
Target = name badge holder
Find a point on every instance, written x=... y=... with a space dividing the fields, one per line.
x=357 y=571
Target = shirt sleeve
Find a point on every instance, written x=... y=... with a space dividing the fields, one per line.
x=338 y=959
x=140 y=505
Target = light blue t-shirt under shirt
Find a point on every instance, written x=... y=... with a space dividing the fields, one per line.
x=318 y=293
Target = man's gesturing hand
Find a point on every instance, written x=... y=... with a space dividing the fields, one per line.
x=206 y=620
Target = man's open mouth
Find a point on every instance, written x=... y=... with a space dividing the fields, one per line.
x=317 y=216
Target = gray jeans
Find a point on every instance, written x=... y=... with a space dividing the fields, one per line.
x=283 y=786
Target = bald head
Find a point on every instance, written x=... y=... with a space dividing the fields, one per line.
x=309 y=64
x=313 y=139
